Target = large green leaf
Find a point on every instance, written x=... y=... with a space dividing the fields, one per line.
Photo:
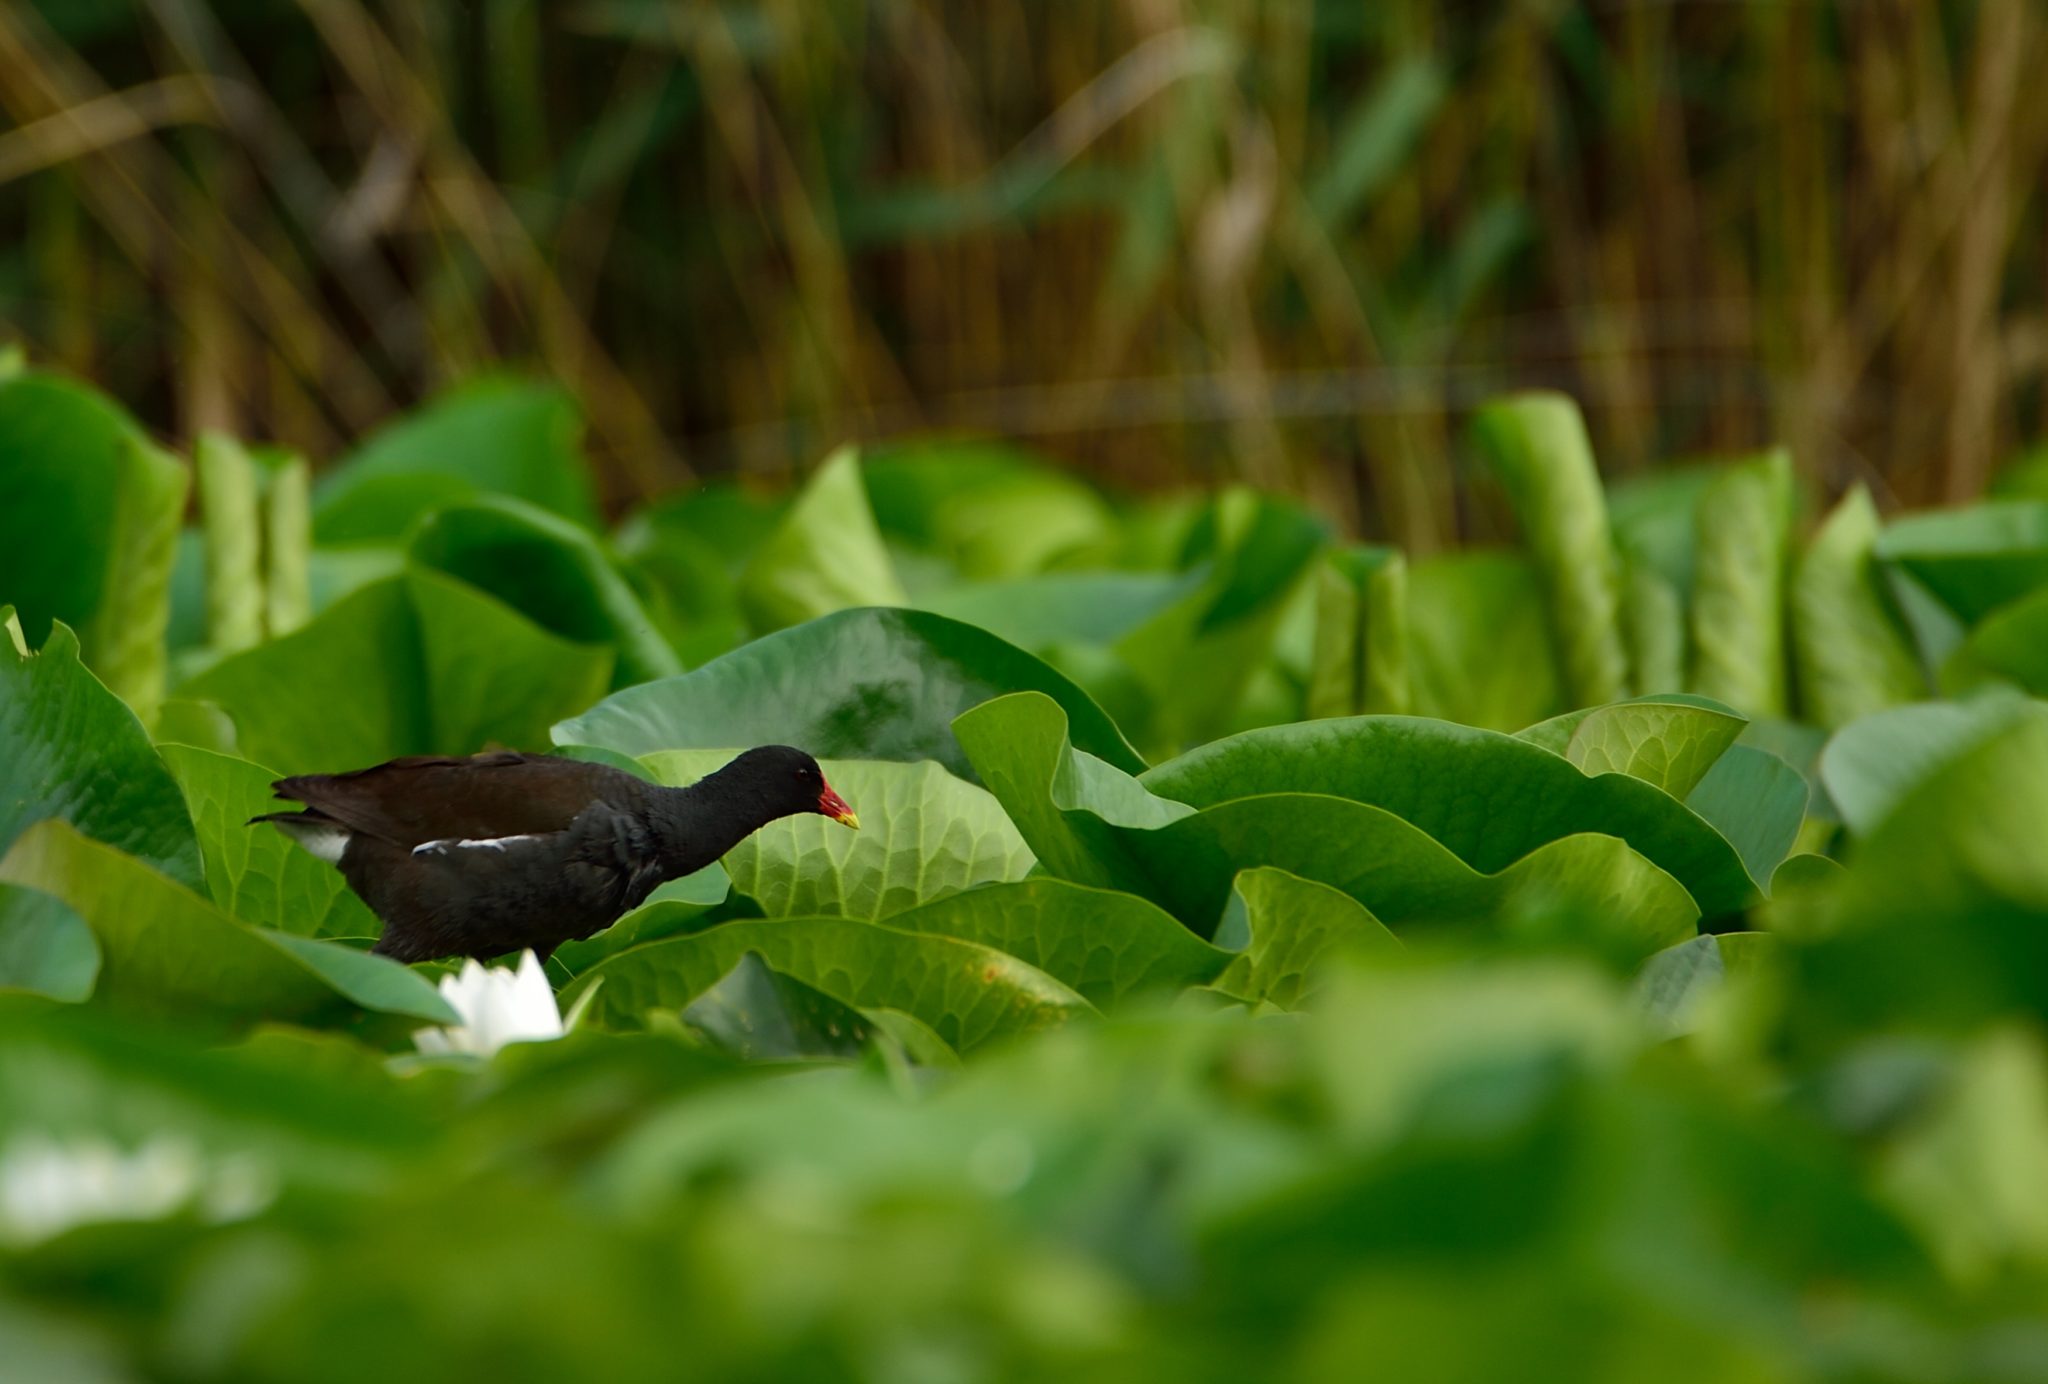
x=1976 y=559
x=874 y=684
x=757 y=1014
x=2008 y=645
x=1291 y=926
x=1757 y=802
x=728 y=519
x=1037 y=612
x=1655 y=519
x=228 y=491
x=125 y=639
x=1738 y=593
x=1537 y=443
x=493 y=676
x=1669 y=741
x=966 y=993
x=994 y=513
x=45 y=948
x=1430 y=773
x=168 y=952
x=257 y=538
x=1941 y=921
x=488 y=437
x=1675 y=981
x=923 y=834
x=287 y=542
x=1405 y=877
x=255 y=873
x=1653 y=623
x=62 y=450
x=825 y=555
x=1105 y=945
x=73 y=751
x=553 y=572
x=1478 y=652
x=1359 y=664
x=1964 y=1167
x=1070 y=806
x=413 y=664
x=1092 y=824
x=1870 y=766
x=675 y=906
x=1854 y=655
x=346 y=691
x=1196 y=658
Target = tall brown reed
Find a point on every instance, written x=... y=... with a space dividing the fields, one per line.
x=1173 y=240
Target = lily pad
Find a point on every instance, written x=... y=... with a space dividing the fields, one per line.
x=874 y=684
x=967 y=994
x=74 y=751
x=45 y=948
x=255 y=873
x=1668 y=741
x=1490 y=798
x=923 y=834
x=1106 y=945
x=168 y=952
x=1100 y=827
x=488 y=437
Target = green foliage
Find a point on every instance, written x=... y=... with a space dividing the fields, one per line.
x=1361 y=644
x=924 y=834
x=1332 y=1031
x=879 y=684
x=1407 y=766
x=45 y=948
x=124 y=640
x=489 y=437
x=62 y=450
x=167 y=952
x=493 y=677
x=1538 y=446
x=825 y=555
x=1854 y=656
x=993 y=513
x=259 y=876
x=1089 y=823
x=1972 y=560
x=405 y=665
x=228 y=491
x=1669 y=742
x=550 y=571
x=76 y=754
x=1479 y=651
x=1291 y=925
x=1738 y=595
x=964 y=992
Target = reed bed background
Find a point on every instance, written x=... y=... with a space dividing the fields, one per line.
x=1168 y=240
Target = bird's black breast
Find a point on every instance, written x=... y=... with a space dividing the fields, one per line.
x=488 y=896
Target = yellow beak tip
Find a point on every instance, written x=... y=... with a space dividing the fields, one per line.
x=849 y=819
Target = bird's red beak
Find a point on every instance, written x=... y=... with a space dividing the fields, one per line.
x=834 y=806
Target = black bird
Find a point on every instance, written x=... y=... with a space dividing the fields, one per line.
x=500 y=852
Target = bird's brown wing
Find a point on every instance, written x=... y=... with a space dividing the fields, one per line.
x=411 y=801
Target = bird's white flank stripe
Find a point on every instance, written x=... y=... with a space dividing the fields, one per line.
x=487 y=843
x=321 y=841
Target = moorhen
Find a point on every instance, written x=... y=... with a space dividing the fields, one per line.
x=501 y=852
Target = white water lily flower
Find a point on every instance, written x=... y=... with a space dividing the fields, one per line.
x=497 y=1007
x=48 y=1186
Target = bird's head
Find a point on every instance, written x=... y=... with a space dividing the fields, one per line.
x=793 y=781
